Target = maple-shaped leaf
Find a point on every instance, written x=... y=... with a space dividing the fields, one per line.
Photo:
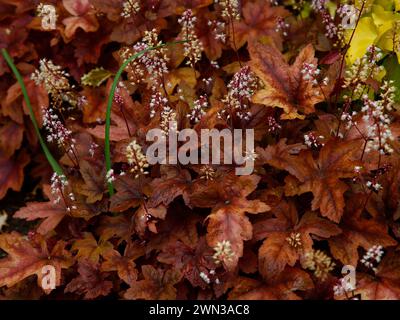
x=227 y=221
x=28 y=257
x=290 y=281
x=385 y=285
x=90 y=282
x=89 y=249
x=158 y=284
x=284 y=84
x=81 y=17
x=358 y=231
x=174 y=184
x=129 y=193
x=190 y=260
x=49 y=211
x=259 y=23
x=180 y=225
x=124 y=265
x=12 y=172
x=288 y=238
x=94 y=180
x=321 y=176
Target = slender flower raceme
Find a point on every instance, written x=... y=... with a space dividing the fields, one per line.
x=92 y=148
x=379 y=132
x=58 y=187
x=204 y=277
x=136 y=159
x=153 y=61
x=240 y=90
x=110 y=176
x=198 y=109
x=193 y=47
x=273 y=125
x=157 y=102
x=230 y=9
x=372 y=257
x=218 y=29
x=56 y=82
x=168 y=121
x=361 y=70
x=58 y=133
x=135 y=69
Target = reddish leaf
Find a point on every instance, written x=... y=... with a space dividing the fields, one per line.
x=89 y=249
x=128 y=193
x=291 y=280
x=189 y=260
x=157 y=285
x=12 y=172
x=94 y=181
x=90 y=282
x=26 y=258
x=358 y=231
x=87 y=23
x=76 y=7
x=258 y=23
x=385 y=285
x=284 y=85
x=227 y=221
x=277 y=250
x=322 y=176
x=124 y=265
x=49 y=211
x=165 y=190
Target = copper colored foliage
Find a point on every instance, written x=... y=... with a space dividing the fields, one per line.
x=323 y=192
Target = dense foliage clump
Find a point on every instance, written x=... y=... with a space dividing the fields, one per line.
x=318 y=82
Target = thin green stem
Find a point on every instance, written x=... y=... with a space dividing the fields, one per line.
x=54 y=164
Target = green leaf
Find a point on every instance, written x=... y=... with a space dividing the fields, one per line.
x=393 y=73
x=96 y=77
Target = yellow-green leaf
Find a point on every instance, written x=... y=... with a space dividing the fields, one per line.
x=365 y=35
x=383 y=20
x=96 y=77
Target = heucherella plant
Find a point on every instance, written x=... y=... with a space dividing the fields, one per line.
x=200 y=150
